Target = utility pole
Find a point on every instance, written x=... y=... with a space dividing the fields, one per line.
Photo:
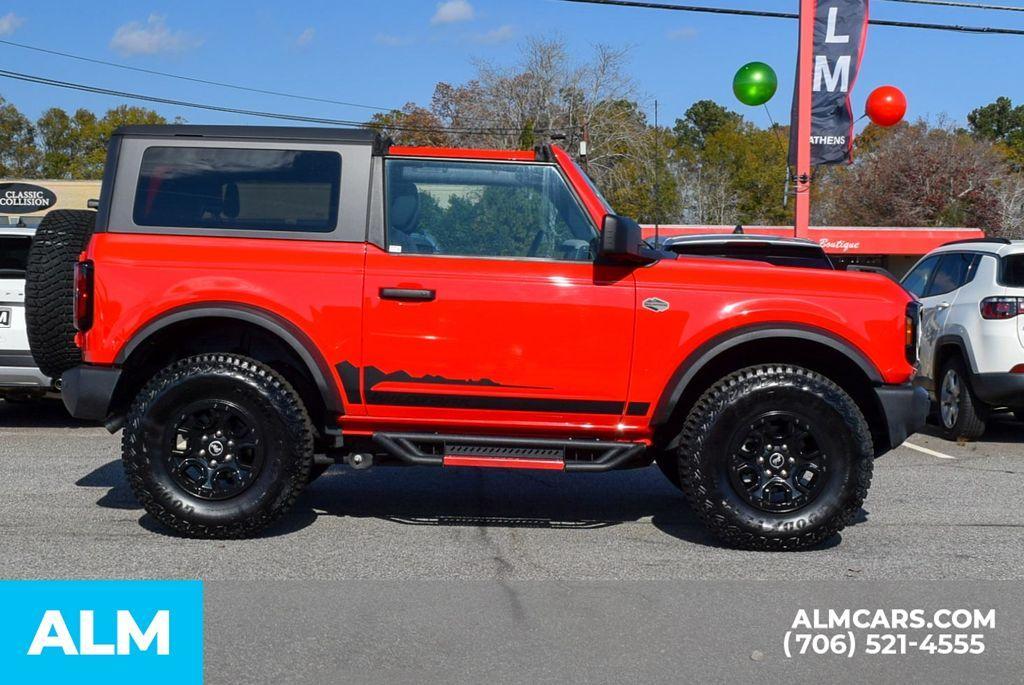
x=657 y=163
x=805 y=68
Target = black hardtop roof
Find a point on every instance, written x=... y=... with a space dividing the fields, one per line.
x=332 y=135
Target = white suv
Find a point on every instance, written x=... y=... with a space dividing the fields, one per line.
x=19 y=377
x=972 y=331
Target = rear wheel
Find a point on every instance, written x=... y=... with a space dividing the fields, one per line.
x=217 y=446
x=960 y=412
x=50 y=286
x=775 y=457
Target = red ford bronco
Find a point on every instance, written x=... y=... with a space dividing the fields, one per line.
x=250 y=303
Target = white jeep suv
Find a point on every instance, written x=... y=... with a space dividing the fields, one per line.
x=19 y=377
x=972 y=331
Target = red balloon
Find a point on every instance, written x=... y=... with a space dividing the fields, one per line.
x=886 y=106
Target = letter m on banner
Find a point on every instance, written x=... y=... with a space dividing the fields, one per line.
x=840 y=31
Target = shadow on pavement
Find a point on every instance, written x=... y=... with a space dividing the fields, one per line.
x=43 y=413
x=470 y=497
x=1001 y=427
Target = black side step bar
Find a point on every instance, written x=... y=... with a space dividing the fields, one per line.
x=432 y=449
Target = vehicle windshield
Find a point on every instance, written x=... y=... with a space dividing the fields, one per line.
x=14 y=256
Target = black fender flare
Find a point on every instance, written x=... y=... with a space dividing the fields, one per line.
x=273 y=323
x=954 y=341
x=723 y=342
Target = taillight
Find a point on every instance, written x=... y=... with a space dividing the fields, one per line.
x=911 y=329
x=1002 y=307
x=83 y=295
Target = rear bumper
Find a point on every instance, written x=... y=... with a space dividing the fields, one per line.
x=87 y=390
x=999 y=389
x=18 y=372
x=905 y=408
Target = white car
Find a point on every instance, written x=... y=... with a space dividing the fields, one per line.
x=972 y=331
x=19 y=377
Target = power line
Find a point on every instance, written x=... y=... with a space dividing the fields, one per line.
x=56 y=83
x=790 y=15
x=193 y=79
x=969 y=5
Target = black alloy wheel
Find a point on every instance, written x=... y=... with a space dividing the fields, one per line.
x=214 y=449
x=777 y=463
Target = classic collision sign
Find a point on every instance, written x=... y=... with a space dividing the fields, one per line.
x=22 y=198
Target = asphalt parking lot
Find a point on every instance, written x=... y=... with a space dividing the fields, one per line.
x=941 y=511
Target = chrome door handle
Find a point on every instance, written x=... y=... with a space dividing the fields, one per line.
x=943 y=305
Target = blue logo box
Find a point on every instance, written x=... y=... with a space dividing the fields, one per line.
x=96 y=631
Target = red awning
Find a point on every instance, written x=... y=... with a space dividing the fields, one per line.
x=846 y=240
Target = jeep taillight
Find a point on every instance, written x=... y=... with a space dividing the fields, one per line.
x=83 y=295
x=1002 y=307
x=911 y=329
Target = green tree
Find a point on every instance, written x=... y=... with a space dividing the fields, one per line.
x=19 y=156
x=703 y=119
x=65 y=141
x=411 y=125
x=1003 y=123
x=75 y=146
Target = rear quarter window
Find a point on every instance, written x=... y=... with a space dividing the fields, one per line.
x=14 y=256
x=236 y=188
x=1012 y=271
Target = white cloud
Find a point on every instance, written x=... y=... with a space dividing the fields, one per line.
x=498 y=35
x=306 y=37
x=685 y=33
x=136 y=38
x=9 y=22
x=452 y=11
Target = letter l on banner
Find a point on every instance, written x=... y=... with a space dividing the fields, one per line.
x=840 y=31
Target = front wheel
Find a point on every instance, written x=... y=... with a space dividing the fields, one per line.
x=775 y=457
x=217 y=446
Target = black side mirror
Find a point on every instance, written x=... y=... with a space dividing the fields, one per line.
x=622 y=240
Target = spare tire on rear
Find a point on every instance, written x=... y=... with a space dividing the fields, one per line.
x=50 y=287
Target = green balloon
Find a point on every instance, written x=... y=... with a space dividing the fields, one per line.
x=755 y=83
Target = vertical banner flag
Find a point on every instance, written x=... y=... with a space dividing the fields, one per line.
x=840 y=29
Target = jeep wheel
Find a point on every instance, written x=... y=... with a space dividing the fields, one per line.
x=217 y=446
x=959 y=415
x=775 y=457
x=50 y=287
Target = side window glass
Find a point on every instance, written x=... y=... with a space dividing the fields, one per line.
x=952 y=272
x=917 y=279
x=238 y=189
x=484 y=210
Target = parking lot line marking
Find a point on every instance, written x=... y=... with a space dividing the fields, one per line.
x=927 y=451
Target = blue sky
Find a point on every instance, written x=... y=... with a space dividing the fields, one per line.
x=388 y=52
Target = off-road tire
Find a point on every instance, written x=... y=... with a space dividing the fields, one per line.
x=750 y=392
x=971 y=414
x=288 y=454
x=50 y=287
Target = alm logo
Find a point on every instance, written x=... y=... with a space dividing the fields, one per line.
x=53 y=633
x=102 y=631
